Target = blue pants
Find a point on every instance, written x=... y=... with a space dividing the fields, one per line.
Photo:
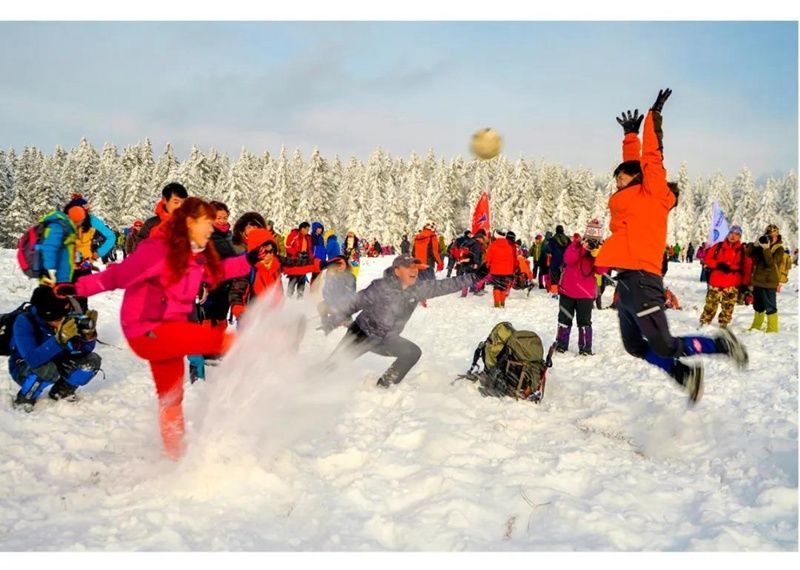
x=74 y=371
x=644 y=326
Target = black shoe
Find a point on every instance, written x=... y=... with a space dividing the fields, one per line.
x=383 y=382
x=560 y=348
x=691 y=378
x=585 y=351
x=61 y=390
x=730 y=345
x=23 y=403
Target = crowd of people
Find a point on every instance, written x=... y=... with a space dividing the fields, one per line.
x=189 y=274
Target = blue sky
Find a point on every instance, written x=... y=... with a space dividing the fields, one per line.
x=552 y=89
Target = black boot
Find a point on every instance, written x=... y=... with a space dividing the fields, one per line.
x=23 y=403
x=61 y=390
x=691 y=379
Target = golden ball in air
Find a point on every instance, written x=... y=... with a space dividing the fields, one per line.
x=486 y=144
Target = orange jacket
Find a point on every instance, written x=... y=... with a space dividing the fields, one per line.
x=639 y=212
x=501 y=257
x=426 y=248
x=525 y=267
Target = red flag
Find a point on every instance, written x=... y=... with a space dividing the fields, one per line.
x=480 y=217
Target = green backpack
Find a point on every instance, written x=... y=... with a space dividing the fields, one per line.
x=514 y=364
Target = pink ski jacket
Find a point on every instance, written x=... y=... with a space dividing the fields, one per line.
x=148 y=301
x=578 y=275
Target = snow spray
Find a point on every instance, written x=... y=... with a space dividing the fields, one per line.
x=275 y=387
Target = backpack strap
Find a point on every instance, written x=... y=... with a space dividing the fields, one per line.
x=476 y=357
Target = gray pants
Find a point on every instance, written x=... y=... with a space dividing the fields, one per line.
x=357 y=343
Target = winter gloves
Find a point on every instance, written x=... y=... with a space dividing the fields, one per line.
x=67 y=330
x=724 y=267
x=632 y=122
x=260 y=253
x=661 y=99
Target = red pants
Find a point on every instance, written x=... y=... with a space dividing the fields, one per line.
x=165 y=348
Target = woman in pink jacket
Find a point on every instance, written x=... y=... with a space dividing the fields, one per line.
x=161 y=279
x=578 y=288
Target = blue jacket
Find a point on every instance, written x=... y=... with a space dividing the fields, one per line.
x=332 y=247
x=109 y=239
x=385 y=307
x=318 y=242
x=58 y=246
x=34 y=341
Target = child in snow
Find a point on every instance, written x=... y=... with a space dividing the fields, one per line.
x=49 y=347
x=161 y=279
x=639 y=211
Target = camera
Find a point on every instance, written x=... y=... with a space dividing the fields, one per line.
x=593 y=243
x=763 y=239
x=87 y=324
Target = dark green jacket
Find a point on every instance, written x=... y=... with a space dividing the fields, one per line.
x=767 y=262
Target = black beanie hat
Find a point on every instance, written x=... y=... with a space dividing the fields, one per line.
x=47 y=305
x=511 y=236
x=559 y=229
x=629 y=167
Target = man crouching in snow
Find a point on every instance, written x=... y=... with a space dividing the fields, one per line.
x=51 y=348
x=386 y=305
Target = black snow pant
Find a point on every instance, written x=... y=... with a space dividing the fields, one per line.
x=567 y=307
x=642 y=320
x=298 y=283
x=357 y=343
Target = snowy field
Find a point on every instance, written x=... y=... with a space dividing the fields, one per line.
x=285 y=458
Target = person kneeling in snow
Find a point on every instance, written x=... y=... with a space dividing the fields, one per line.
x=50 y=348
x=386 y=305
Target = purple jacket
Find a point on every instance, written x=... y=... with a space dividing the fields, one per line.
x=148 y=301
x=578 y=273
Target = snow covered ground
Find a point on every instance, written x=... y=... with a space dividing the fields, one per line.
x=286 y=458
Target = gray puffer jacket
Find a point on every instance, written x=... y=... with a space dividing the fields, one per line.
x=385 y=307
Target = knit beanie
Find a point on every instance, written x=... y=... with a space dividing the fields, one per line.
x=594 y=230
x=48 y=306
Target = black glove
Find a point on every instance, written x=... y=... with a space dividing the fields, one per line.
x=724 y=267
x=67 y=330
x=481 y=271
x=64 y=290
x=257 y=254
x=661 y=99
x=632 y=122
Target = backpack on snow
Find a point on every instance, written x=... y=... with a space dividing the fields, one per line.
x=29 y=255
x=7 y=328
x=514 y=364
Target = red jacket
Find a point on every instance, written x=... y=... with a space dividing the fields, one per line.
x=733 y=256
x=501 y=257
x=295 y=242
x=639 y=212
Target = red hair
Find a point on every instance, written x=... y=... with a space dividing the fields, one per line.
x=179 y=246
